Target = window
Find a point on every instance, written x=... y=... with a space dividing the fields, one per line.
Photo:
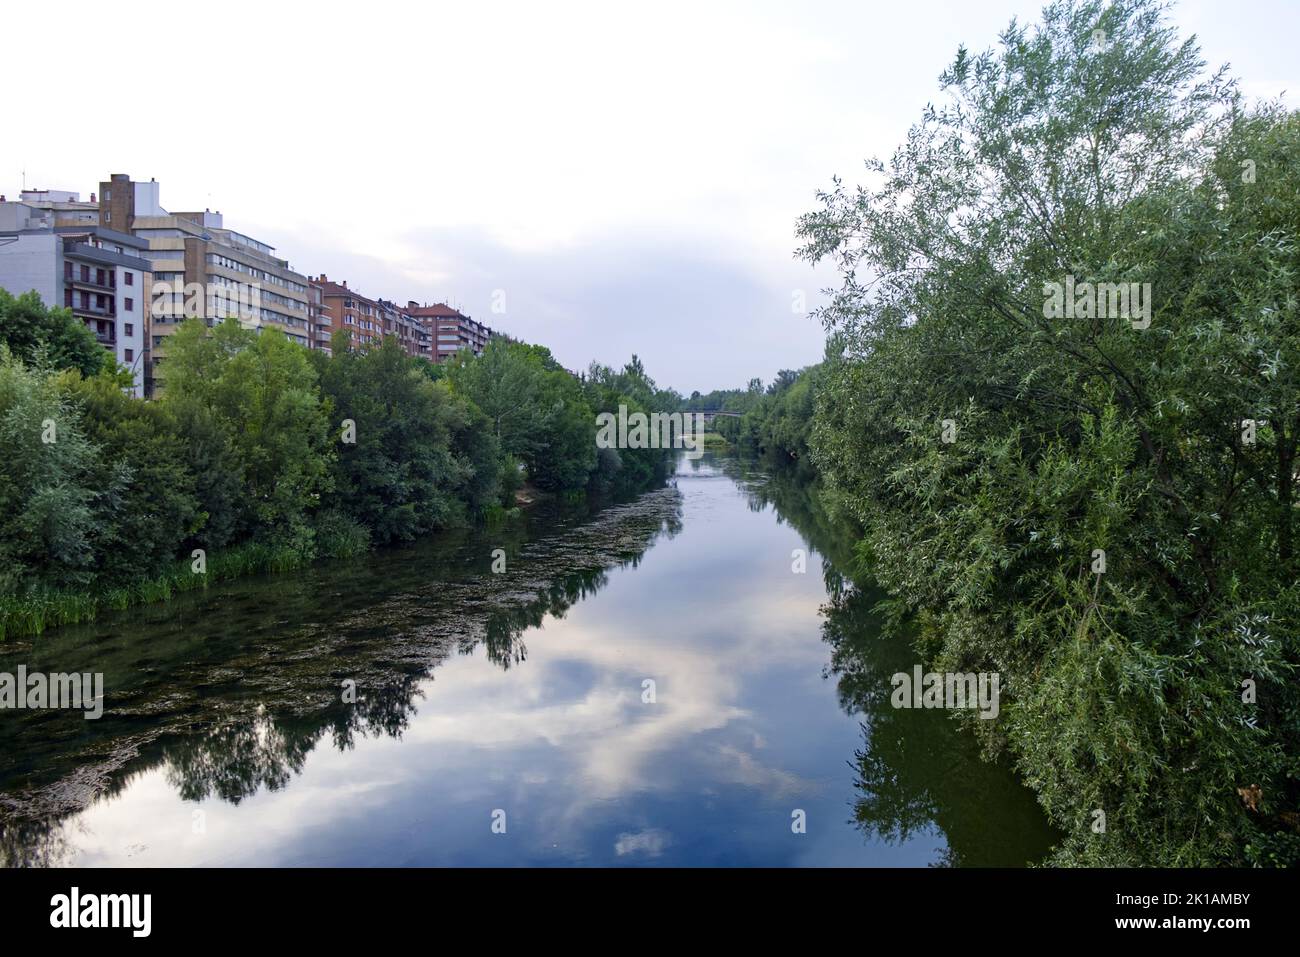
x=128 y=355
x=67 y=297
x=99 y=278
x=108 y=215
x=130 y=329
x=67 y=270
x=130 y=278
x=85 y=274
x=130 y=305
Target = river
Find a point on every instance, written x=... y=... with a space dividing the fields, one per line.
x=648 y=683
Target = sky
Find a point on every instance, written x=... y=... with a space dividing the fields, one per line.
x=603 y=179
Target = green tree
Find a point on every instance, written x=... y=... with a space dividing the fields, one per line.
x=261 y=391
x=153 y=507
x=30 y=329
x=401 y=476
x=537 y=411
x=781 y=421
x=50 y=485
x=999 y=452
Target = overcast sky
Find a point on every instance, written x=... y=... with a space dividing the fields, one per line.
x=628 y=175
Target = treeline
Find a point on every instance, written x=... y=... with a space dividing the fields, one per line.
x=777 y=422
x=725 y=400
x=1099 y=503
x=261 y=455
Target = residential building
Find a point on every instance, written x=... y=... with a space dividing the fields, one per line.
x=410 y=331
x=67 y=207
x=202 y=269
x=318 y=319
x=349 y=310
x=451 y=330
x=195 y=267
x=50 y=246
x=369 y=320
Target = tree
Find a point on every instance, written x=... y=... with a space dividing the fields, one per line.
x=784 y=379
x=261 y=393
x=49 y=336
x=537 y=410
x=999 y=450
x=146 y=505
x=49 y=484
x=399 y=475
x=781 y=421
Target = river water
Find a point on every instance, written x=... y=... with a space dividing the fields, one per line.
x=648 y=683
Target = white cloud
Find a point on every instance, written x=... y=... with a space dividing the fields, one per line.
x=650 y=842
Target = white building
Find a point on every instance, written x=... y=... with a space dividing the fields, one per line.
x=52 y=243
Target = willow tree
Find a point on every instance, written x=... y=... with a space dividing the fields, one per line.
x=1062 y=400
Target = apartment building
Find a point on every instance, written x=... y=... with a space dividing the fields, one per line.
x=182 y=265
x=319 y=320
x=55 y=246
x=410 y=331
x=204 y=270
x=369 y=320
x=451 y=330
x=351 y=311
x=67 y=207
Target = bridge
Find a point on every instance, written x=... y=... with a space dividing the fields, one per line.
x=710 y=416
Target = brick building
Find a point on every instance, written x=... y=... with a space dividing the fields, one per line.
x=451 y=330
x=369 y=320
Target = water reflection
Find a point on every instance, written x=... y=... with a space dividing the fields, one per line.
x=915 y=770
x=232 y=692
x=524 y=692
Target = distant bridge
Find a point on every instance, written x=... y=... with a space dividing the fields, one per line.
x=710 y=416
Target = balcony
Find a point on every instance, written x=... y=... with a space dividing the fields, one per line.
x=108 y=312
x=108 y=285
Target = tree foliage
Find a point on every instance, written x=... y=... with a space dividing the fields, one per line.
x=259 y=445
x=406 y=467
x=50 y=336
x=993 y=449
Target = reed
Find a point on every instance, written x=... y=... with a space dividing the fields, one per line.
x=33 y=613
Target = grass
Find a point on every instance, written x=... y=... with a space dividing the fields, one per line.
x=33 y=613
x=338 y=537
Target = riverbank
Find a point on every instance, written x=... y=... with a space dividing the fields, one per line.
x=103 y=496
x=29 y=615
x=26 y=615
